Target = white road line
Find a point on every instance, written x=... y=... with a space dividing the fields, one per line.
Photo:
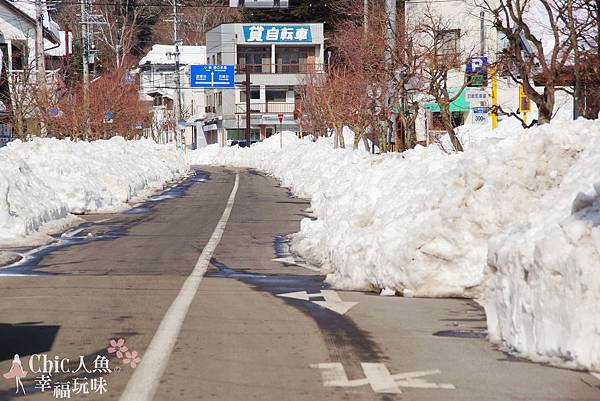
x=145 y=379
x=596 y=375
x=380 y=379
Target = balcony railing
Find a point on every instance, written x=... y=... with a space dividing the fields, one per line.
x=22 y=76
x=271 y=107
x=279 y=68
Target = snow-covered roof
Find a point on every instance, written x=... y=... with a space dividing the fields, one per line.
x=27 y=7
x=162 y=54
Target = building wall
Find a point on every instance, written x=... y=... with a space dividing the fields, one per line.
x=222 y=48
x=466 y=17
x=158 y=77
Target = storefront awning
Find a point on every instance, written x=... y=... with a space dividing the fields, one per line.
x=460 y=104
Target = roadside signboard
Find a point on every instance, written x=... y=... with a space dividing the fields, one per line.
x=212 y=76
x=476 y=71
x=475 y=94
x=477 y=65
x=480 y=115
x=108 y=117
x=277 y=33
x=524 y=102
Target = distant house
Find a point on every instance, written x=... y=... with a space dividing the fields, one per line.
x=279 y=57
x=158 y=83
x=17 y=44
x=464 y=27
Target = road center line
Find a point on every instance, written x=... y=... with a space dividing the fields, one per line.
x=145 y=379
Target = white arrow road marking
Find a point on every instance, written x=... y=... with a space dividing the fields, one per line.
x=378 y=377
x=301 y=295
x=332 y=301
x=291 y=261
x=145 y=379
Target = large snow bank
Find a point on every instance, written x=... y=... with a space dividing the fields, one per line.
x=544 y=288
x=43 y=181
x=422 y=223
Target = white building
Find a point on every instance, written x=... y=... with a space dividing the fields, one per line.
x=17 y=44
x=158 y=81
x=279 y=57
x=464 y=27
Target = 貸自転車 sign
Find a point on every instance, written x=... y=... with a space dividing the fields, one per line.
x=277 y=33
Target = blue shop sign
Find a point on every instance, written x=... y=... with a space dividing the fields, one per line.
x=277 y=33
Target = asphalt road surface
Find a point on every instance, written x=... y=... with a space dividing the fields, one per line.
x=199 y=282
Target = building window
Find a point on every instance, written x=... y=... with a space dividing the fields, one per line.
x=254 y=94
x=220 y=99
x=294 y=59
x=256 y=58
x=276 y=95
x=447 y=42
x=219 y=58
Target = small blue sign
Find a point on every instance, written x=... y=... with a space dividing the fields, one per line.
x=478 y=65
x=212 y=76
x=128 y=79
x=277 y=33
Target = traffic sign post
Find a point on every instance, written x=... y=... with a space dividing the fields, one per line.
x=212 y=76
x=524 y=103
x=280 y=115
x=477 y=72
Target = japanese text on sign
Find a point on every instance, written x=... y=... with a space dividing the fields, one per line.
x=270 y=33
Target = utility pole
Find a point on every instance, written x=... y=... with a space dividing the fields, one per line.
x=40 y=62
x=86 y=67
x=366 y=15
x=178 y=111
x=482 y=33
x=248 y=111
x=178 y=107
x=390 y=47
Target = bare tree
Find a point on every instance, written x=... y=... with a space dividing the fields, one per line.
x=536 y=49
x=582 y=26
x=440 y=46
x=194 y=22
x=118 y=31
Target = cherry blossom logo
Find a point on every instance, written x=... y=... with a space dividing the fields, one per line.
x=131 y=358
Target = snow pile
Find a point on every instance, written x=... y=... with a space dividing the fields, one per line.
x=42 y=182
x=544 y=288
x=427 y=223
